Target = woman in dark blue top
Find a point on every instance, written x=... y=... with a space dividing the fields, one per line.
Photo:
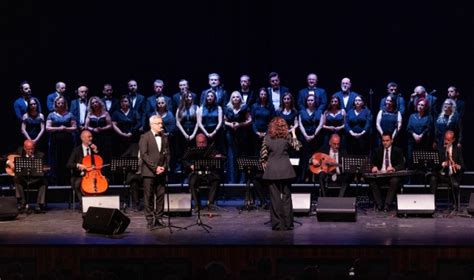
x=126 y=123
x=419 y=129
x=210 y=119
x=389 y=119
x=237 y=120
x=32 y=126
x=448 y=119
x=358 y=122
x=334 y=120
x=186 y=124
x=262 y=112
x=61 y=126
x=310 y=123
x=288 y=112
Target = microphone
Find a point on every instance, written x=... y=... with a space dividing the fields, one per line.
x=371 y=92
x=433 y=92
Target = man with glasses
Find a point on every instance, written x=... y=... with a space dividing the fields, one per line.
x=155 y=155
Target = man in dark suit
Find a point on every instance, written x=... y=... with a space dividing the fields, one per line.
x=183 y=88
x=21 y=104
x=60 y=90
x=154 y=152
x=386 y=159
x=336 y=176
x=248 y=95
x=275 y=90
x=311 y=89
x=79 y=107
x=150 y=104
x=75 y=161
x=452 y=167
x=137 y=101
x=221 y=93
x=111 y=104
x=345 y=95
x=197 y=178
x=21 y=181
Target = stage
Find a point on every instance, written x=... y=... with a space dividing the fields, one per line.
x=239 y=239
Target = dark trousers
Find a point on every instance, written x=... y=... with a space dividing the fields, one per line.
x=154 y=196
x=453 y=183
x=76 y=185
x=281 y=211
x=22 y=183
x=392 y=182
x=325 y=180
x=197 y=180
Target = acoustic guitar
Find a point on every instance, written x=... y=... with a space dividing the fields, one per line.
x=321 y=162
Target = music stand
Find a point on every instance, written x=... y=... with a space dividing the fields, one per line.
x=250 y=165
x=356 y=165
x=201 y=166
x=124 y=165
x=426 y=161
x=28 y=167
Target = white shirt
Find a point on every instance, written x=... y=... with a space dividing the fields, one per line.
x=84 y=150
x=158 y=140
x=276 y=98
x=82 y=112
x=389 y=159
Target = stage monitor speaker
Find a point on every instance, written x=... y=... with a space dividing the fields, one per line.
x=470 y=208
x=179 y=203
x=301 y=202
x=415 y=204
x=104 y=201
x=105 y=221
x=337 y=209
x=8 y=208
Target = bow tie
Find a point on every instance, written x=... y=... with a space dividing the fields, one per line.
x=82 y=101
x=157 y=134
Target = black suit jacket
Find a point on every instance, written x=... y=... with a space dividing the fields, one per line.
x=396 y=158
x=114 y=106
x=150 y=155
x=76 y=157
x=457 y=158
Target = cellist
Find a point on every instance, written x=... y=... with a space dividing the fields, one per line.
x=75 y=162
x=329 y=166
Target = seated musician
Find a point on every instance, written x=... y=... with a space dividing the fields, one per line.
x=21 y=181
x=386 y=159
x=200 y=177
x=75 y=161
x=334 y=176
x=452 y=166
x=134 y=178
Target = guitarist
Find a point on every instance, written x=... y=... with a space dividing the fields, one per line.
x=330 y=172
x=75 y=161
x=21 y=182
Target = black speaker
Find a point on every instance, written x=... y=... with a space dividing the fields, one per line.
x=8 y=208
x=105 y=221
x=337 y=209
x=470 y=208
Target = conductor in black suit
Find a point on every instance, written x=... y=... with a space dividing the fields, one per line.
x=279 y=172
x=75 y=161
x=154 y=152
x=386 y=159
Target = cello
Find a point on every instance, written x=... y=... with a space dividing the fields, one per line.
x=93 y=182
x=321 y=162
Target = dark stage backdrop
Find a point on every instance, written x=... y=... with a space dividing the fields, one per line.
x=81 y=42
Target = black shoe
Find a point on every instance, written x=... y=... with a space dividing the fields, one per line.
x=386 y=209
x=159 y=222
x=378 y=208
x=40 y=209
